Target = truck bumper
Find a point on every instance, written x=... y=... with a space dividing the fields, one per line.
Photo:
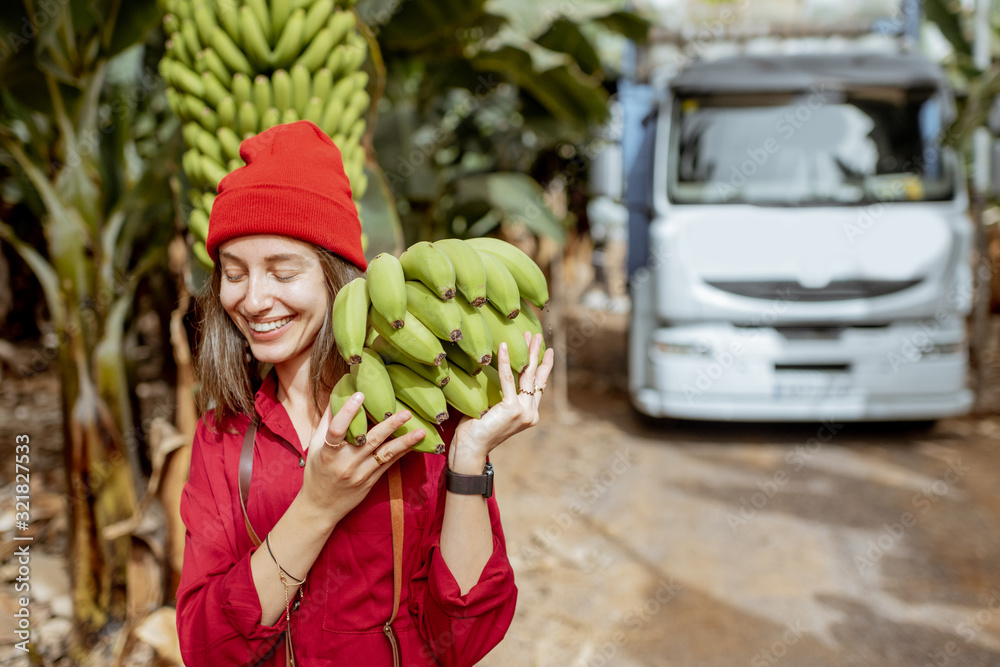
x=900 y=371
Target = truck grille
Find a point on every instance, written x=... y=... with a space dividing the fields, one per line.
x=790 y=290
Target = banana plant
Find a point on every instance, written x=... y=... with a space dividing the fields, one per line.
x=478 y=94
x=83 y=147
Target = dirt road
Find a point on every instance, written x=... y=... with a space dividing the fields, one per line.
x=684 y=543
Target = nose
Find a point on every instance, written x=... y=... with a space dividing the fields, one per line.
x=259 y=297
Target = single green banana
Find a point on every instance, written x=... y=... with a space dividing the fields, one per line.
x=357 y=51
x=431 y=442
x=421 y=394
x=212 y=170
x=214 y=90
x=289 y=115
x=204 y=115
x=290 y=43
x=465 y=394
x=316 y=53
x=280 y=11
x=350 y=314
x=177 y=49
x=242 y=89
x=227 y=112
x=322 y=81
x=209 y=145
x=263 y=98
x=438 y=375
x=191 y=39
x=270 y=118
x=201 y=252
x=356 y=107
x=443 y=318
x=248 y=119
x=458 y=357
x=314 y=110
x=185 y=80
x=476 y=341
x=254 y=38
x=204 y=20
x=281 y=84
x=263 y=16
x=501 y=288
x=190 y=133
x=470 y=274
x=191 y=163
x=229 y=19
x=531 y=281
x=335 y=61
x=301 y=88
x=373 y=381
x=235 y=60
x=387 y=288
x=198 y=224
x=215 y=65
x=331 y=119
x=316 y=18
x=341 y=23
x=413 y=338
x=171 y=24
x=355 y=133
x=341 y=394
x=504 y=330
x=423 y=262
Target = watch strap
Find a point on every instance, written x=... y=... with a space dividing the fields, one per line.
x=471 y=485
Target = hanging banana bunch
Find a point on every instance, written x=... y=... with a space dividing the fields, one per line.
x=235 y=68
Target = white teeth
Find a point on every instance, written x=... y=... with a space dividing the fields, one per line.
x=261 y=327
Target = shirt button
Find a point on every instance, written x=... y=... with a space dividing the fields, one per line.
x=302 y=462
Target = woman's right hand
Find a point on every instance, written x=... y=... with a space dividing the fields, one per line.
x=338 y=475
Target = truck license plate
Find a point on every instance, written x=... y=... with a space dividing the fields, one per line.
x=792 y=385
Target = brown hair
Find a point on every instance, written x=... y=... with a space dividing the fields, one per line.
x=230 y=375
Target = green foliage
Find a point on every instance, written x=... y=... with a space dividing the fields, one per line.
x=473 y=100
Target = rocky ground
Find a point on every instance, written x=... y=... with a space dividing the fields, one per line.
x=639 y=542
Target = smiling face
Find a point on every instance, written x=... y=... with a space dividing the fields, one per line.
x=274 y=291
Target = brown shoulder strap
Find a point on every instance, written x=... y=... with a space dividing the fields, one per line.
x=246 y=473
x=396 y=515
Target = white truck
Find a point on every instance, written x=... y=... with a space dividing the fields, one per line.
x=804 y=242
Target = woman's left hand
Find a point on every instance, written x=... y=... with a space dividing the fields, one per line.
x=518 y=410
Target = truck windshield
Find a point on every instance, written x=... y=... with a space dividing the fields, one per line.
x=810 y=149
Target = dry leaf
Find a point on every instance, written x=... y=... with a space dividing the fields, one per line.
x=159 y=630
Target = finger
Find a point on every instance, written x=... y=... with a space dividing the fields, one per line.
x=545 y=368
x=542 y=378
x=534 y=344
x=506 y=375
x=337 y=431
x=384 y=429
x=392 y=449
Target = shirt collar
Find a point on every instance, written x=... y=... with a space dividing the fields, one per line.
x=272 y=413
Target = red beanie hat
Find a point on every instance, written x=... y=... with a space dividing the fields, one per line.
x=293 y=184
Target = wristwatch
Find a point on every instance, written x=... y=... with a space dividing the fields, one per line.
x=471 y=485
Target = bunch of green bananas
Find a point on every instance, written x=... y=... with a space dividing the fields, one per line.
x=422 y=332
x=238 y=67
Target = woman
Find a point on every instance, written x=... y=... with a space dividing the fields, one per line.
x=334 y=564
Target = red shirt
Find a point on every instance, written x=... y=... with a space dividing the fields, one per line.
x=348 y=593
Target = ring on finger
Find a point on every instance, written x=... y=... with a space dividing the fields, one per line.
x=377 y=459
x=528 y=393
x=332 y=445
x=538 y=389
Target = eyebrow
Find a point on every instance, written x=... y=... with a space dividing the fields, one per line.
x=270 y=259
